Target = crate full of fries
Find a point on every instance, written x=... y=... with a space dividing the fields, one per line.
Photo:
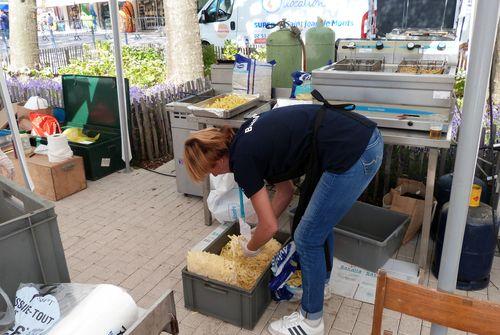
x=218 y=281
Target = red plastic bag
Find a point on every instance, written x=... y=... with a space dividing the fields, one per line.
x=44 y=125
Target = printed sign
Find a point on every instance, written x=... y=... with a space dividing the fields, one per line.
x=353 y=282
x=105 y=162
x=35 y=313
x=222 y=30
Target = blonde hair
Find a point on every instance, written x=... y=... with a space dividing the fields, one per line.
x=204 y=148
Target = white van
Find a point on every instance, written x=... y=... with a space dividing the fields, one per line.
x=244 y=21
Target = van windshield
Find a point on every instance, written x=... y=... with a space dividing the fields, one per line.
x=219 y=10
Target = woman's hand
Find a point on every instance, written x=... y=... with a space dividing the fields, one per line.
x=247 y=252
x=268 y=223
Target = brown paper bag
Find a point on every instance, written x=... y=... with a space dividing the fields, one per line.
x=405 y=198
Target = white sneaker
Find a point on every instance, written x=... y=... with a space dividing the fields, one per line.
x=297 y=293
x=295 y=324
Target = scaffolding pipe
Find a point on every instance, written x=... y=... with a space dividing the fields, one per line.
x=120 y=84
x=481 y=53
x=16 y=137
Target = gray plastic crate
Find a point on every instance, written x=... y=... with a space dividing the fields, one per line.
x=225 y=302
x=368 y=235
x=7 y=316
x=30 y=245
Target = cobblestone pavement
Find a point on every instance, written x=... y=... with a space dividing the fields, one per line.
x=133 y=230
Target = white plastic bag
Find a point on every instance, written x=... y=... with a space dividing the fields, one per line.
x=252 y=77
x=224 y=199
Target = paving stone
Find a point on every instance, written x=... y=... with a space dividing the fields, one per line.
x=333 y=304
x=361 y=328
x=390 y=324
x=346 y=318
x=228 y=329
x=410 y=325
x=366 y=314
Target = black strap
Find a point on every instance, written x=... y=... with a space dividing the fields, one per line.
x=316 y=95
x=344 y=109
x=313 y=175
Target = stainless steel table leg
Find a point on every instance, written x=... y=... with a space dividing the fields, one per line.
x=206 y=212
x=206 y=190
x=387 y=170
x=429 y=201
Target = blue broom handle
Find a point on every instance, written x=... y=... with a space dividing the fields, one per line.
x=242 y=207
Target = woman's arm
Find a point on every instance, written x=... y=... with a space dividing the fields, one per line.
x=268 y=223
x=283 y=197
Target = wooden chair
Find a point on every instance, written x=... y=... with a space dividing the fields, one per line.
x=450 y=310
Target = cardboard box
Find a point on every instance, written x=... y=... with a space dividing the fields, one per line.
x=53 y=181
x=408 y=198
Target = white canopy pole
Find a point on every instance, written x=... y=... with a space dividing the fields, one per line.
x=371 y=16
x=480 y=57
x=120 y=84
x=11 y=115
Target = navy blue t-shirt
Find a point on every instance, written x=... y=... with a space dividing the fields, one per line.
x=272 y=144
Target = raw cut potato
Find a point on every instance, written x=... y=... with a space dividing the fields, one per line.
x=231 y=267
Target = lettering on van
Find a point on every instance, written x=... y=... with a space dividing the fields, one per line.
x=311 y=24
x=272 y=6
x=303 y=3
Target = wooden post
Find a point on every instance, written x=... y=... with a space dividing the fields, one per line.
x=154 y=136
x=134 y=132
x=147 y=130
x=142 y=141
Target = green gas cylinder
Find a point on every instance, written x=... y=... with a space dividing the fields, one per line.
x=284 y=47
x=320 y=46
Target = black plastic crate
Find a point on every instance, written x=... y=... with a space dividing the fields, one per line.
x=223 y=301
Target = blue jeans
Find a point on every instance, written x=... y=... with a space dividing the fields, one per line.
x=333 y=197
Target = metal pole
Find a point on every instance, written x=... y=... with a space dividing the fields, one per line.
x=120 y=84
x=93 y=35
x=444 y=14
x=458 y=7
x=481 y=53
x=371 y=14
x=16 y=138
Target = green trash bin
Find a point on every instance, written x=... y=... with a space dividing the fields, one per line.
x=91 y=103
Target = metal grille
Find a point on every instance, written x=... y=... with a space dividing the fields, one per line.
x=371 y=65
x=422 y=66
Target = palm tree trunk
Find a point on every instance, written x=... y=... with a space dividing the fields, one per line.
x=24 y=50
x=183 y=42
